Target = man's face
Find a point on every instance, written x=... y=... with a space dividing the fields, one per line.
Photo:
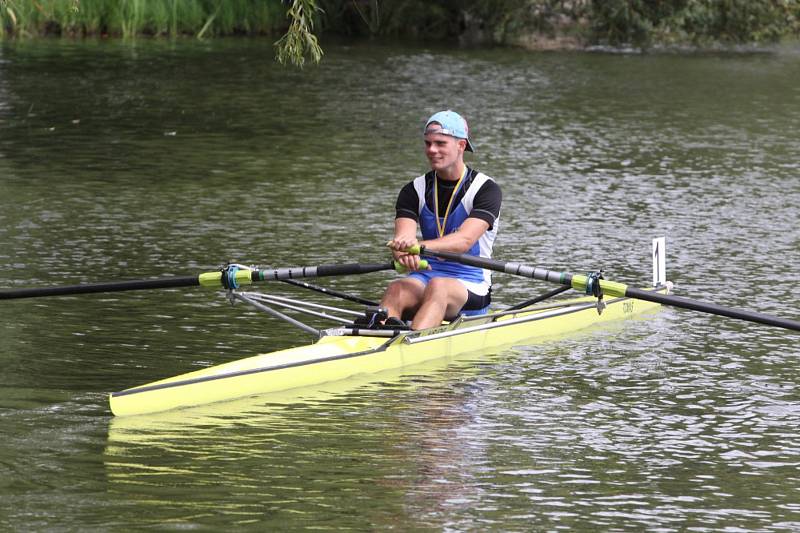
x=441 y=150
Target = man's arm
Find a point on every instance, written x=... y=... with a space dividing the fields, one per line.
x=405 y=229
x=460 y=240
x=485 y=210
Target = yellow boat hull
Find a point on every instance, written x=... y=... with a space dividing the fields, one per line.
x=336 y=357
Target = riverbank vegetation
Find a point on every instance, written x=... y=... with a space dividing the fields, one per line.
x=531 y=23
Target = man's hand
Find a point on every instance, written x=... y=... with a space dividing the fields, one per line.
x=399 y=246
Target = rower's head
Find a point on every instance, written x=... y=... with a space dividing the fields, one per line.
x=451 y=124
x=446 y=139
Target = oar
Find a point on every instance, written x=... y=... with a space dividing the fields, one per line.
x=231 y=277
x=610 y=288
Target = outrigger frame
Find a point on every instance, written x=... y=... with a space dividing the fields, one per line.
x=266 y=303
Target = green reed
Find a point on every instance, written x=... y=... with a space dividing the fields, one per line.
x=127 y=18
x=640 y=23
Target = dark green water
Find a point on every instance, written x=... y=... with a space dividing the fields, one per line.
x=126 y=161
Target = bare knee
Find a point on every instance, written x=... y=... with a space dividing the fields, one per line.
x=394 y=290
x=449 y=294
x=402 y=296
x=438 y=287
x=403 y=289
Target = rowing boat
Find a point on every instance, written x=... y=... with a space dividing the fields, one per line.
x=349 y=349
x=346 y=351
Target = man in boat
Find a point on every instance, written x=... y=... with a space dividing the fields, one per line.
x=456 y=209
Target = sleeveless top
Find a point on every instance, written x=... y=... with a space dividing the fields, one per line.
x=473 y=185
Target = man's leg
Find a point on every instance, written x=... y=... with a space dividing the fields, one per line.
x=442 y=298
x=403 y=295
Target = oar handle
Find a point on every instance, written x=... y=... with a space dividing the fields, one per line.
x=400 y=269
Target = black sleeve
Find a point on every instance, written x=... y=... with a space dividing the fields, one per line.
x=407 y=203
x=486 y=205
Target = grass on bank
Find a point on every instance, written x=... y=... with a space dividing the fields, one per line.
x=638 y=23
x=127 y=18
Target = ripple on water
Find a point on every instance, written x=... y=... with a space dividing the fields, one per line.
x=678 y=421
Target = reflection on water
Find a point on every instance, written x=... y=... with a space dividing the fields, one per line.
x=131 y=161
x=594 y=427
x=304 y=454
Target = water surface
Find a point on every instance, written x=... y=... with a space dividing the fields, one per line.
x=125 y=161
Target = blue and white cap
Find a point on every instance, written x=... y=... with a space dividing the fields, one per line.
x=452 y=124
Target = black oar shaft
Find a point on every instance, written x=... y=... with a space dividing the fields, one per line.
x=714 y=309
x=208 y=279
x=564 y=278
x=115 y=286
x=318 y=271
x=517 y=269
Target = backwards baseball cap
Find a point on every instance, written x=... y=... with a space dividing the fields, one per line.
x=452 y=124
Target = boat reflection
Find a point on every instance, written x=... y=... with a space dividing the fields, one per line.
x=313 y=454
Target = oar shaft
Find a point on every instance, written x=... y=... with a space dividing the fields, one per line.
x=242 y=276
x=318 y=271
x=714 y=309
x=115 y=286
x=612 y=288
x=517 y=269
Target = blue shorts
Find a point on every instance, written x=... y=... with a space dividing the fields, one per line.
x=475 y=305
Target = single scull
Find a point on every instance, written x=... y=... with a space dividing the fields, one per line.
x=348 y=349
